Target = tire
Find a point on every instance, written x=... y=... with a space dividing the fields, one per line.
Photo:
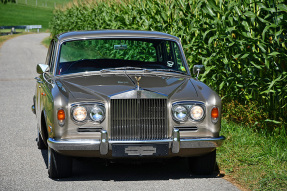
x=59 y=166
x=41 y=144
x=203 y=165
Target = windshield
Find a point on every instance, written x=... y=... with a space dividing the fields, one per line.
x=98 y=54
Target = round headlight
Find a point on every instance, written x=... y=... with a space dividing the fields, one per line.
x=196 y=112
x=79 y=113
x=179 y=113
x=97 y=113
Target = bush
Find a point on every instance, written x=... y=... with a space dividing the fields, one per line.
x=250 y=114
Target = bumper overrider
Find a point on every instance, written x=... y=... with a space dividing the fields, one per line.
x=104 y=145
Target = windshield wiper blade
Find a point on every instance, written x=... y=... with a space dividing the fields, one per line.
x=129 y=68
x=170 y=70
x=122 y=68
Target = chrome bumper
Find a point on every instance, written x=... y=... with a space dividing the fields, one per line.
x=104 y=145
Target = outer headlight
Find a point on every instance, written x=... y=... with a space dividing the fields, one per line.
x=97 y=113
x=79 y=113
x=196 y=113
x=179 y=113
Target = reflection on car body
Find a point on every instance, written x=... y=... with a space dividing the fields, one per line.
x=123 y=94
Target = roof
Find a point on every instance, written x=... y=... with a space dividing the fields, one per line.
x=114 y=34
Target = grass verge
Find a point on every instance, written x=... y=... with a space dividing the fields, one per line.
x=16 y=14
x=254 y=160
x=46 y=41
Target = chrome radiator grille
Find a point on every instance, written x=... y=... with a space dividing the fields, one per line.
x=138 y=119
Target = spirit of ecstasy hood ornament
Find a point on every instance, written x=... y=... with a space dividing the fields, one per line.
x=138 y=82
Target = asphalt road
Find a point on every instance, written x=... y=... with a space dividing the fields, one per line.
x=24 y=167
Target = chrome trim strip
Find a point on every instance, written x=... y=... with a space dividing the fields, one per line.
x=201 y=142
x=87 y=103
x=73 y=144
x=141 y=141
x=133 y=94
x=188 y=103
x=88 y=144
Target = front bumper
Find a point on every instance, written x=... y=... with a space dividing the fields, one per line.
x=104 y=145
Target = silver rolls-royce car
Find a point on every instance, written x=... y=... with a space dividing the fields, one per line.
x=118 y=94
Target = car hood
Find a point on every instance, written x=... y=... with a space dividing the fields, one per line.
x=106 y=86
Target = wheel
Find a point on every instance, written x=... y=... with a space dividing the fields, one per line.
x=41 y=144
x=59 y=166
x=203 y=165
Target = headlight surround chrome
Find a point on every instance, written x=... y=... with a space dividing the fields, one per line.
x=79 y=113
x=179 y=113
x=82 y=113
x=196 y=113
x=97 y=113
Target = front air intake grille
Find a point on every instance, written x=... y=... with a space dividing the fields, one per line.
x=138 y=119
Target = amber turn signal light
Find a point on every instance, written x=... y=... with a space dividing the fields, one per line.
x=61 y=115
x=214 y=113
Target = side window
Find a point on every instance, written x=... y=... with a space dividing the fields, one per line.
x=52 y=59
x=178 y=57
x=49 y=52
x=50 y=56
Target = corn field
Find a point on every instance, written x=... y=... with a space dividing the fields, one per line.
x=242 y=43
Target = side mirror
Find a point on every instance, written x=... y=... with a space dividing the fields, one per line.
x=41 y=68
x=198 y=69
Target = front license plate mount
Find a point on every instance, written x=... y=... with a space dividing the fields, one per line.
x=139 y=150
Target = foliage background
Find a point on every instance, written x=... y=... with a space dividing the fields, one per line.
x=242 y=44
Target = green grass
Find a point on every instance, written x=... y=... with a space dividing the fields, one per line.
x=15 y=14
x=255 y=160
x=43 y=3
x=46 y=41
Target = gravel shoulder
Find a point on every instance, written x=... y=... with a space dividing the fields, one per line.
x=24 y=167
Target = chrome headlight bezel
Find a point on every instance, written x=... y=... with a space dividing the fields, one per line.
x=190 y=106
x=89 y=109
x=97 y=108
x=175 y=109
x=73 y=113
x=199 y=108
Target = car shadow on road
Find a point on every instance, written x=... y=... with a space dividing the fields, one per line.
x=91 y=169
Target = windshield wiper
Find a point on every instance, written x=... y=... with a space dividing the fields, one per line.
x=138 y=68
x=121 y=68
x=169 y=70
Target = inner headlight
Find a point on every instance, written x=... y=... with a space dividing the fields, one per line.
x=80 y=113
x=97 y=113
x=179 y=113
x=196 y=113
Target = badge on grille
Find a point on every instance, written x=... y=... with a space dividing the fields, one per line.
x=139 y=94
